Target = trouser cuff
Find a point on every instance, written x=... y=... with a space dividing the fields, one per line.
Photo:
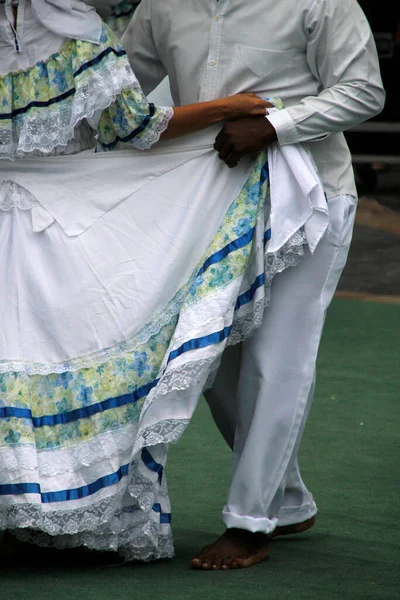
x=291 y=515
x=261 y=525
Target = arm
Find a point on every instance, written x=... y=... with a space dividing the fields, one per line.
x=194 y=117
x=139 y=44
x=341 y=54
x=131 y=119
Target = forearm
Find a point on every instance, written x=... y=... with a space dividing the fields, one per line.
x=194 y=117
x=334 y=110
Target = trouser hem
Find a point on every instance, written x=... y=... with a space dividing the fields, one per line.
x=255 y=525
x=291 y=515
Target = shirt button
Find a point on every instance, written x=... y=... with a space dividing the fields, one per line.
x=212 y=63
x=217 y=18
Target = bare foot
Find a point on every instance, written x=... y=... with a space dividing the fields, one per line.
x=235 y=549
x=296 y=528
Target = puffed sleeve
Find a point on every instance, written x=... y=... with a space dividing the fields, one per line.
x=131 y=119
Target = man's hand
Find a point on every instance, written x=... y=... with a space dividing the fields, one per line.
x=244 y=136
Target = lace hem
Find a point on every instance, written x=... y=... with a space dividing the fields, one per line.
x=133 y=533
x=146 y=546
x=13 y=195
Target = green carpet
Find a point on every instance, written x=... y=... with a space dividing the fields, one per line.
x=350 y=460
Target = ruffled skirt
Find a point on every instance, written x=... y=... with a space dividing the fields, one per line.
x=107 y=341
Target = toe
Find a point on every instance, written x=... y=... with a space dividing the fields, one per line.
x=196 y=563
x=218 y=563
x=227 y=563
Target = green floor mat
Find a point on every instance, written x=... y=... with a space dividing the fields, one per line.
x=349 y=458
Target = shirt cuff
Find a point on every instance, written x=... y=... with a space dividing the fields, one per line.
x=284 y=126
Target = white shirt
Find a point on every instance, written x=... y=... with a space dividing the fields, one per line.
x=319 y=56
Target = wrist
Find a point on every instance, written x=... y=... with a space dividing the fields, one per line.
x=270 y=134
x=220 y=110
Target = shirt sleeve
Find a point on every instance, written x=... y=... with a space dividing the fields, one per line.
x=139 y=44
x=132 y=120
x=342 y=56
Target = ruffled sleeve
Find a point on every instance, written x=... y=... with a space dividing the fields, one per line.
x=40 y=107
x=131 y=119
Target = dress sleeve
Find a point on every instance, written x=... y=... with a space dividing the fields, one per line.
x=131 y=119
x=342 y=56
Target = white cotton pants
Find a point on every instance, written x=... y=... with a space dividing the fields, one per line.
x=264 y=388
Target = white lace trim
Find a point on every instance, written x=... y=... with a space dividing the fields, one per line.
x=69 y=459
x=13 y=195
x=145 y=545
x=134 y=533
x=102 y=356
x=153 y=134
x=44 y=131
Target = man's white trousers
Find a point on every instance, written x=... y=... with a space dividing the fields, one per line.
x=264 y=388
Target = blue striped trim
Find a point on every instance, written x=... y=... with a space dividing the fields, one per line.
x=65 y=495
x=240 y=242
x=264 y=173
x=152 y=464
x=249 y=295
x=201 y=342
x=267 y=235
x=98 y=59
x=18 y=489
x=135 y=132
x=65 y=95
x=79 y=413
x=37 y=104
x=164 y=517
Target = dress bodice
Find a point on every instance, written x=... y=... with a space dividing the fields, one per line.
x=26 y=45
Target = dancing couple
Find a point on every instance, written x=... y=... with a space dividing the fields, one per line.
x=138 y=271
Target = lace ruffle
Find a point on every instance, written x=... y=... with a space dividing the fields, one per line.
x=138 y=534
x=52 y=462
x=98 y=358
x=153 y=134
x=42 y=106
x=133 y=533
x=14 y=196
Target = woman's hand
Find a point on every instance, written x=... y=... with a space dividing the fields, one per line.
x=241 y=106
x=193 y=117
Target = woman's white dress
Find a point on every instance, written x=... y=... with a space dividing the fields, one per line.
x=123 y=277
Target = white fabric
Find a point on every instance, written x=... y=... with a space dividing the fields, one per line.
x=150 y=228
x=317 y=55
x=116 y=275
x=292 y=176
x=49 y=178
x=38 y=43
x=264 y=387
x=64 y=18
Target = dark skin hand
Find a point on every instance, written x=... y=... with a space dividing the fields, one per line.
x=244 y=136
